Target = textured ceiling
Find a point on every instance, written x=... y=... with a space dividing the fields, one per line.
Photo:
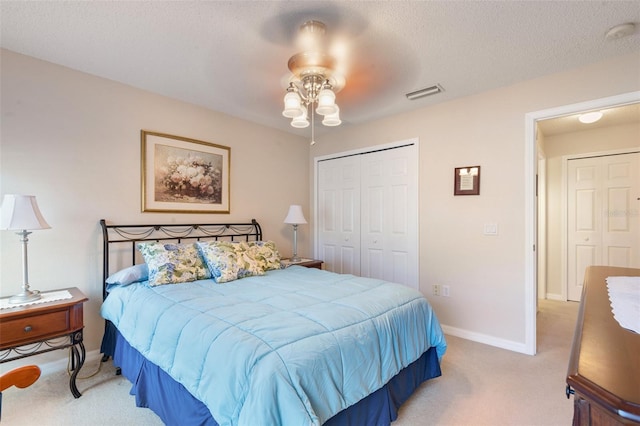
x=232 y=56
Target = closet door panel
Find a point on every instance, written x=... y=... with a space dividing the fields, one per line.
x=373 y=214
x=389 y=215
x=621 y=220
x=339 y=214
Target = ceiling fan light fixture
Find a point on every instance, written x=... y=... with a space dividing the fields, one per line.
x=311 y=89
x=300 y=121
x=333 y=119
x=427 y=91
x=292 y=104
x=590 y=117
x=326 y=102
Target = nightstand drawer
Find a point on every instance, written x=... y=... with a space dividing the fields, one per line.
x=26 y=329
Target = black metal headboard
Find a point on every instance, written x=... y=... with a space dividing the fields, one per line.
x=126 y=236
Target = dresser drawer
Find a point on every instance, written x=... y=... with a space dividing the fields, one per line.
x=19 y=330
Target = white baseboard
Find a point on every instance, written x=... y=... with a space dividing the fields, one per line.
x=553 y=296
x=486 y=339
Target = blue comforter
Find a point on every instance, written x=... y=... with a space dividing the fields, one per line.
x=292 y=347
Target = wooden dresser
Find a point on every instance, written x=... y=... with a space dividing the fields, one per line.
x=604 y=367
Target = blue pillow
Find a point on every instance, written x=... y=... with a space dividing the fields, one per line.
x=130 y=275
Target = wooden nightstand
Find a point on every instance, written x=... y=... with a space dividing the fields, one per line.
x=43 y=327
x=308 y=263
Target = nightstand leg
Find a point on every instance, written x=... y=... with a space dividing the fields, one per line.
x=78 y=354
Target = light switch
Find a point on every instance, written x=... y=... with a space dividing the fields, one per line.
x=490 y=229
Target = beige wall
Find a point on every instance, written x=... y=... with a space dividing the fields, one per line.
x=73 y=140
x=486 y=274
x=555 y=148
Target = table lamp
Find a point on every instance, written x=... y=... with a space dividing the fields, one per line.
x=21 y=213
x=295 y=217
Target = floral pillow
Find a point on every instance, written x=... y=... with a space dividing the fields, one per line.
x=173 y=263
x=266 y=254
x=248 y=263
x=228 y=261
x=221 y=259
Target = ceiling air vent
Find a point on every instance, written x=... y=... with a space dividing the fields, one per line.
x=427 y=91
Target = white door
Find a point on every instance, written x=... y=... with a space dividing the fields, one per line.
x=621 y=216
x=368 y=214
x=339 y=214
x=603 y=220
x=389 y=208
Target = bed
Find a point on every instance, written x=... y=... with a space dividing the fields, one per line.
x=221 y=334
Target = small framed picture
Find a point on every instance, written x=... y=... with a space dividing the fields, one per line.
x=182 y=175
x=466 y=180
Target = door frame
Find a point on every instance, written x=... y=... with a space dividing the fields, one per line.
x=382 y=147
x=541 y=235
x=530 y=169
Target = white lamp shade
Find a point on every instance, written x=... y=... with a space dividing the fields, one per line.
x=292 y=105
x=295 y=215
x=326 y=102
x=300 y=122
x=332 y=119
x=21 y=212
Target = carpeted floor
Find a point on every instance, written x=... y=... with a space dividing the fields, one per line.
x=480 y=385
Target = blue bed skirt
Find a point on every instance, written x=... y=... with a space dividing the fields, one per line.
x=155 y=389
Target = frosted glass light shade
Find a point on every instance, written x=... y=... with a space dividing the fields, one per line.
x=21 y=212
x=292 y=104
x=326 y=102
x=295 y=215
x=300 y=121
x=332 y=119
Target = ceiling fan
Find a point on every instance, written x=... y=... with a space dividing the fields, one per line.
x=314 y=81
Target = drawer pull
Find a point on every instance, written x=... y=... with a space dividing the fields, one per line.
x=568 y=391
x=27 y=329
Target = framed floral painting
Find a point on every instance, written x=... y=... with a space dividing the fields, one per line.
x=182 y=175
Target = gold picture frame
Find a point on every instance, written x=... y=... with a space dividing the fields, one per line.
x=184 y=175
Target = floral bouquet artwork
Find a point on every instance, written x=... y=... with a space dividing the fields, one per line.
x=183 y=175
x=187 y=176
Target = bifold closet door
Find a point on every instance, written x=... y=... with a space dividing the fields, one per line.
x=368 y=214
x=389 y=205
x=603 y=224
x=339 y=214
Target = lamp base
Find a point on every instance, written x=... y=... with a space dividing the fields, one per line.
x=295 y=259
x=26 y=296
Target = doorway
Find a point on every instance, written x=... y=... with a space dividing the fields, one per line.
x=531 y=215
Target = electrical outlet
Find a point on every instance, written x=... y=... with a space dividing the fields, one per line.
x=436 y=289
x=445 y=291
